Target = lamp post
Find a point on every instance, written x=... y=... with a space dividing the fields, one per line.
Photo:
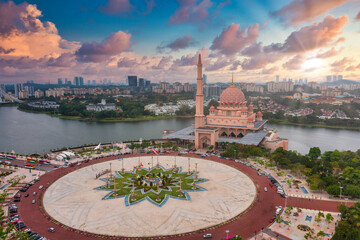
x=157 y=164
x=188 y=166
x=122 y=165
x=152 y=162
x=227 y=234
x=175 y=162
x=341 y=187
x=195 y=171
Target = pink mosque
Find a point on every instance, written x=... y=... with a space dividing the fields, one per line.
x=233 y=121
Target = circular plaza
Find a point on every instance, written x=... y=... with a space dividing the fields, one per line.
x=149 y=196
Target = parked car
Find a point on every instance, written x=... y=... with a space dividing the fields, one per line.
x=51 y=229
x=34 y=193
x=265 y=189
x=41 y=186
x=24 y=189
x=208 y=235
x=33 y=201
x=26 y=195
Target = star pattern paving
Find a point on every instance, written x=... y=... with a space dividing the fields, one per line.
x=156 y=184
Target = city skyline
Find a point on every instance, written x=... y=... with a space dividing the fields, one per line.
x=160 y=41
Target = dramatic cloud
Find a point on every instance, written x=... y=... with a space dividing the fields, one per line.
x=330 y=53
x=357 y=18
x=191 y=59
x=270 y=70
x=217 y=65
x=65 y=60
x=190 y=11
x=126 y=62
x=353 y=68
x=21 y=29
x=164 y=62
x=340 y=65
x=6 y=51
x=300 y=11
x=311 y=37
x=97 y=52
x=232 y=39
x=114 y=7
x=294 y=63
x=178 y=44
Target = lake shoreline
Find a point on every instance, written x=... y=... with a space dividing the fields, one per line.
x=152 y=118
x=105 y=120
x=282 y=122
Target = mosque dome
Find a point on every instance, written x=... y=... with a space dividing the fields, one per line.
x=232 y=94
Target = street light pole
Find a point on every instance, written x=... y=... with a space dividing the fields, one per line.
x=227 y=234
x=340 y=192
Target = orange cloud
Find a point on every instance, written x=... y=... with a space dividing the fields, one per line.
x=21 y=30
x=232 y=39
x=330 y=53
x=300 y=11
x=113 y=45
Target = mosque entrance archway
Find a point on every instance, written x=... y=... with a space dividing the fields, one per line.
x=240 y=135
x=205 y=143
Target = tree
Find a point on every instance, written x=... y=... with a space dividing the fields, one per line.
x=308 y=235
x=321 y=234
x=329 y=218
x=314 y=153
x=289 y=210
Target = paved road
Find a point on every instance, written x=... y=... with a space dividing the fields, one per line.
x=22 y=163
x=249 y=222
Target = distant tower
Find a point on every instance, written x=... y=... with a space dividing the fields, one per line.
x=199 y=115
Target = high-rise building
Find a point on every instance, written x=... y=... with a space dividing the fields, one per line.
x=340 y=77
x=76 y=81
x=204 y=78
x=93 y=82
x=147 y=83
x=60 y=82
x=132 y=81
x=334 y=78
x=18 y=87
x=212 y=91
x=328 y=78
x=88 y=82
x=2 y=90
x=30 y=90
x=284 y=79
x=305 y=81
x=277 y=78
x=141 y=82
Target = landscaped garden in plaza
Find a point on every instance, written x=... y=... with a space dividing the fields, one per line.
x=156 y=184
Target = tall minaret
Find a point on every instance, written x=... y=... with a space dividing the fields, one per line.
x=199 y=115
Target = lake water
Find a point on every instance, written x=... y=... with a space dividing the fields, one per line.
x=33 y=132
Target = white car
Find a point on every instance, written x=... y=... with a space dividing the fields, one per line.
x=265 y=189
x=208 y=235
x=41 y=186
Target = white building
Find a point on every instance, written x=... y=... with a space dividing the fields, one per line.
x=103 y=106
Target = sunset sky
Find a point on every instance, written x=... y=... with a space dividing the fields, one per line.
x=43 y=40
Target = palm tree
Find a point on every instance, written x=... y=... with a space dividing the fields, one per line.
x=308 y=235
x=321 y=234
x=329 y=218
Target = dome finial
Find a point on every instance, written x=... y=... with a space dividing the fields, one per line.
x=232 y=80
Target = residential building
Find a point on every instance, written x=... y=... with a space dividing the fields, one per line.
x=103 y=106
